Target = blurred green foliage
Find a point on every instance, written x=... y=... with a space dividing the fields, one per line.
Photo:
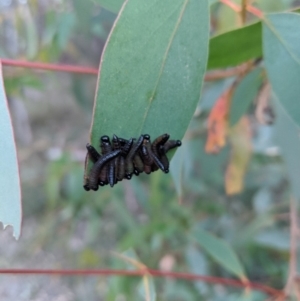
x=66 y=227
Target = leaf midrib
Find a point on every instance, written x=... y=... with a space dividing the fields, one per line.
x=164 y=63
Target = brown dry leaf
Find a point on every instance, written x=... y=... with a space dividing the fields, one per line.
x=240 y=140
x=217 y=124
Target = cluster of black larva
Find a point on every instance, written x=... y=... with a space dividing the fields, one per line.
x=122 y=158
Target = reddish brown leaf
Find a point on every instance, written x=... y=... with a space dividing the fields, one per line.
x=217 y=123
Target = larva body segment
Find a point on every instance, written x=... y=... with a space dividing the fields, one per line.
x=106 y=148
x=121 y=168
x=146 y=151
x=111 y=173
x=163 y=149
x=114 y=164
x=147 y=169
x=126 y=147
x=85 y=177
x=154 y=167
x=93 y=154
x=161 y=140
x=170 y=145
x=159 y=164
x=138 y=163
x=94 y=174
x=156 y=144
x=123 y=141
x=123 y=157
x=129 y=167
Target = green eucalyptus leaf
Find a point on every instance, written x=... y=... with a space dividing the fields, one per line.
x=146 y=289
x=30 y=31
x=177 y=168
x=220 y=251
x=269 y=6
x=10 y=192
x=244 y=94
x=287 y=137
x=281 y=43
x=111 y=5
x=152 y=69
x=238 y=46
x=235 y=47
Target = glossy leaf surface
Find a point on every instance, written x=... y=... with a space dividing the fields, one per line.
x=10 y=193
x=152 y=69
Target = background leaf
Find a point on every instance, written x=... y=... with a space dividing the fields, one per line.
x=287 y=137
x=146 y=289
x=235 y=47
x=152 y=69
x=282 y=59
x=244 y=94
x=198 y=265
x=112 y=5
x=10 y=193
x=217 y=123
x=31 y=32
x=240 y=137
x=220 y=251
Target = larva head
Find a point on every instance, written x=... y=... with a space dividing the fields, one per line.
x=128 y=176
x=89 y=147
x=86 y=187
x=115 y=142
x=166 y=136
x=105 y=144
x=105 y=139
x=115 y=138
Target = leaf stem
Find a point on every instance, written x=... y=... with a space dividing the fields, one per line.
x=244 y=11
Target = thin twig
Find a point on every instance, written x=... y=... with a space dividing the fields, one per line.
x=210 y=76
x=45 y=66
x=155 y=273
x=232 y=5
x=255 y=11
x=251 y=9
x=235 y=71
